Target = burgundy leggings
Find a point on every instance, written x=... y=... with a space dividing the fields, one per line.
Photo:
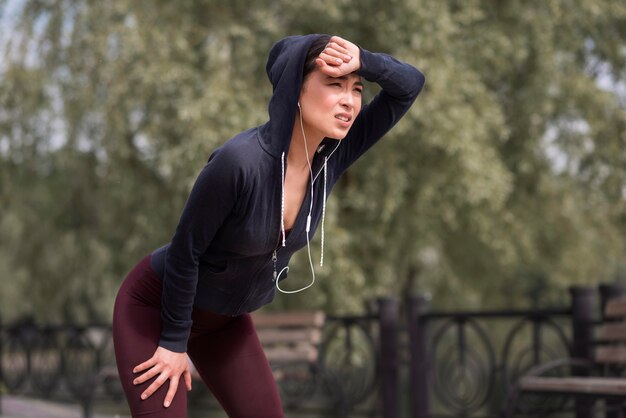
x=225 y=350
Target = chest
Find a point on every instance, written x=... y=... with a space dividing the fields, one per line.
x=296 y=187
x=254 y=227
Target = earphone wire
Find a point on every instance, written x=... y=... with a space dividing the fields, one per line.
x=308 y=219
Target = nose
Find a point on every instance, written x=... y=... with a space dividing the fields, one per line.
x=347 y=100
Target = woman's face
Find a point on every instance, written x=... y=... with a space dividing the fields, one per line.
x=329 y=105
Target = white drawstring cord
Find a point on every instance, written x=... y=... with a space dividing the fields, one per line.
x=323 y=211
x=282 y=197
x=308 y=218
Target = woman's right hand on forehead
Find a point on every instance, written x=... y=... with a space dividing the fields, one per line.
x=339 y=58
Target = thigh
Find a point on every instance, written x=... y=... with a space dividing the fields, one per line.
x=232 y=363
x=136 y=333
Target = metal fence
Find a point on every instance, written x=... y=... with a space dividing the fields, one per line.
x=66 y=362
x=76 y=364
x=465 y=364
x=467 y=361
x=419 y=364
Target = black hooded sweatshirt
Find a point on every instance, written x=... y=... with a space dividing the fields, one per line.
x=221 y=255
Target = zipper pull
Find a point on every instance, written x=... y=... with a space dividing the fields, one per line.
x=274 y=259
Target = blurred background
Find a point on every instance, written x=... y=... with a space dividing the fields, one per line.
x=503 y=185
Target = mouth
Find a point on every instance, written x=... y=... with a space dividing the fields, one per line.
x=344 y=117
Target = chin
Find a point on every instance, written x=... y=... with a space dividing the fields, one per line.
x=338 y=135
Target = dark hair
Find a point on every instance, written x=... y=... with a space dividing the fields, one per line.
x=315 y=50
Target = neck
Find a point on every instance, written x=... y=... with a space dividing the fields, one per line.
x=297 y=154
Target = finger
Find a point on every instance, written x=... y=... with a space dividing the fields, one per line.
x=145 y=365
x=327 y=69
x=187 y=376
x=340 y=48
x=154 y=386
x=337 y=53
x=169 y=397
x=147 y=375
x=342 y=43
x=330 y=60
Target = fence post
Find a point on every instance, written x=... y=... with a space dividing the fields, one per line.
x=583 y=315
x=420 y=407
x=87 y=406
x=388 y=311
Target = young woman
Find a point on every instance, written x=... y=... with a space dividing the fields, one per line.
x=259 y=198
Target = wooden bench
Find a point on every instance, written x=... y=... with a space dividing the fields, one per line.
x=605 y=380
x=289 y=339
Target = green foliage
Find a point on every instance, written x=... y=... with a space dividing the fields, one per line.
x=503 y=185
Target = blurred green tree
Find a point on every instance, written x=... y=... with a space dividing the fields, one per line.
x=504 y=184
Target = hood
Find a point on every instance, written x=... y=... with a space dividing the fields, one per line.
x=284 y=69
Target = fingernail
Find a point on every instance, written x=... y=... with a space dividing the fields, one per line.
x=143 y=396
x=339 y=60
x=348 y=57
x=167 y=403
x=134 y=382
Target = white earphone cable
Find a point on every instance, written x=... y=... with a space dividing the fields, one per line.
x=308 y=219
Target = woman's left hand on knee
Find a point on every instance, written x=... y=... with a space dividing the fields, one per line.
x=167 y=365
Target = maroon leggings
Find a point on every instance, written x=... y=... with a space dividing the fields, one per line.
x=225 y=350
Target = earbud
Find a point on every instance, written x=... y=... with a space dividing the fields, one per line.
x=299 y=106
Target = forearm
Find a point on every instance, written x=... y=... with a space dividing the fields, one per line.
x=401 y=83
x=399 y=80
x=210 y=202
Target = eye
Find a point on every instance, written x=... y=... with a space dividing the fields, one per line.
x=359 y=90
x=335 y=84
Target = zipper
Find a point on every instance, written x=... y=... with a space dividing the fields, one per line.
x=274 y=259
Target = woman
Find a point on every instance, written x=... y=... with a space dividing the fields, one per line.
x=258 y=199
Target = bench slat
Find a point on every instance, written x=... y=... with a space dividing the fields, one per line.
x=270 y=336
x=304 y=354
x=290 y=337
x=610 y=354
x=612 y=332
x=615 y=308
x=591 y=385
x=289 y=319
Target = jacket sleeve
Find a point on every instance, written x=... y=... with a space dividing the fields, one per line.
x=211 y=200
x=400 y=82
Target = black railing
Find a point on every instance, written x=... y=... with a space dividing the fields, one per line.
x=349 y=356
x=444 y=364
x=73 y=363
x=76 y=364
x=463 y=363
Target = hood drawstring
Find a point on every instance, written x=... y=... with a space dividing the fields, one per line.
x=323 y=211
x=277 y=275
x=308 y=218
x=282 y=198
